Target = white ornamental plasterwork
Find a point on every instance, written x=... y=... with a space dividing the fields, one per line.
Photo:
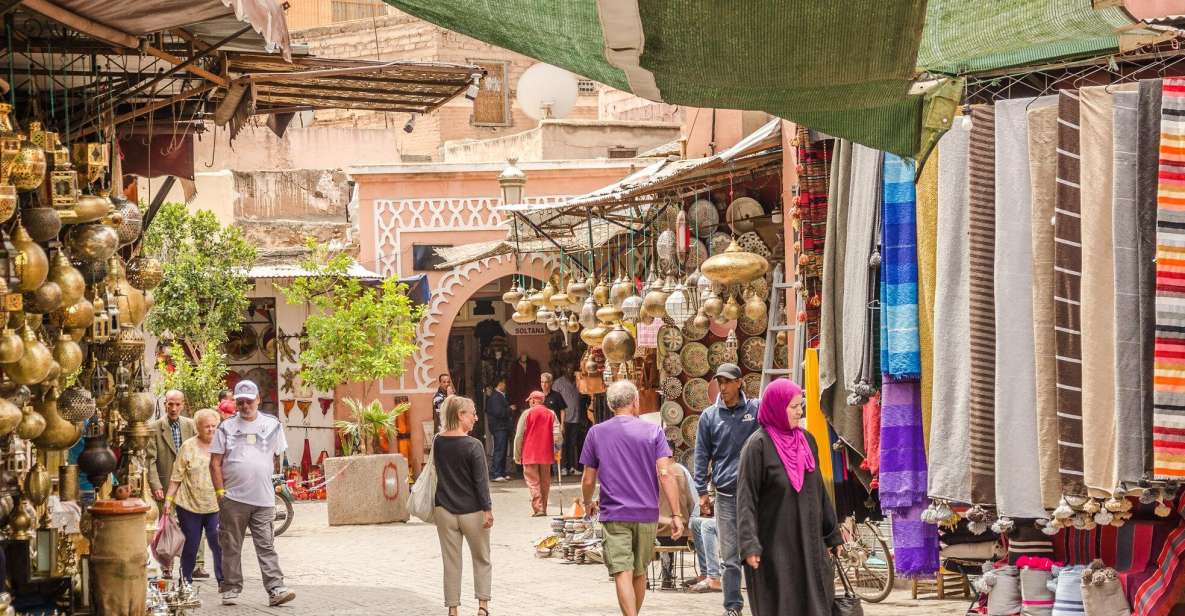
x=452 y=283
x=434 y=214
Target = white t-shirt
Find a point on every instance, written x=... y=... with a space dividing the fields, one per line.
x=248 y=448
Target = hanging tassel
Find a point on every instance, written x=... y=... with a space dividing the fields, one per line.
x=1114 y=504
x=1091 y=506
x=1103 y=518
x=1063 y=510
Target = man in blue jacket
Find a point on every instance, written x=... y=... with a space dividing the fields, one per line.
x=499 y=423
x=723 y=429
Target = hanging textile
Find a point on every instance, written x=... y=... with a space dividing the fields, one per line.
x=872 y=439
x=1067 y=272
x=981 y=174
x=903 y=479
x=1043 y=182
x=813 y=157
x=1164 y=587
x=901 y=351
x=833 y=392
x=949 y=433
x=1168 y=421
x=1018 y=484
x=1125 y=217
x=1096 y=135
x=863 y=214
x=1148 y=176
x=816 y=424
x=927 y=229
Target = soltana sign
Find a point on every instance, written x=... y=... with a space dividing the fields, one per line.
x=524 y=329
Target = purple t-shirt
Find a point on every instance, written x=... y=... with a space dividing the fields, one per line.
x=625 y=450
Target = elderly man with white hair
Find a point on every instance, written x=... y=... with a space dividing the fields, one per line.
x=631 y=459
x=168 y=433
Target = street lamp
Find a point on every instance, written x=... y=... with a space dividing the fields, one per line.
x=512 y=179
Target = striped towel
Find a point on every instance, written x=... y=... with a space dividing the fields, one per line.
x=982 y=179
x=1067 y=292
x=901 y=357
x=1168 y=419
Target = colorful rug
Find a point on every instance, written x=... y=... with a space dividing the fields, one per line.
x=981 y=177
x=1168 y=421
x=1067 y=274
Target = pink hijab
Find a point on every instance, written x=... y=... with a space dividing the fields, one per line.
x=792 y=445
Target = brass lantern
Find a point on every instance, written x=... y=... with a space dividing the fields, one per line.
x=91 y=160
x=63 y=181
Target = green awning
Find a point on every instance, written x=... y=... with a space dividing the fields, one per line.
x=844 y=68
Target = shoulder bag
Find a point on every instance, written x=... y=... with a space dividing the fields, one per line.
x=849 y=603
x=422 y=503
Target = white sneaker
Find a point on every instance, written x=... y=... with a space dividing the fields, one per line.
x=501 y=479
x=279 y=596
x=564 y=473
x=230 y=597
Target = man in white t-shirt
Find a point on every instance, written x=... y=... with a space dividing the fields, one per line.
x=242 y=461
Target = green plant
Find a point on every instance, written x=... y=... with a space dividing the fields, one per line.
x=355 y=333
x=366 y=423
x=200 y=380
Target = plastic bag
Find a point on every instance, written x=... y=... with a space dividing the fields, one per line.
x=168 y=541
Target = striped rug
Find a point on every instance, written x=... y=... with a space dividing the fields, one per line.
x=1168 y=419
x=1067 y=292
x=981 y=179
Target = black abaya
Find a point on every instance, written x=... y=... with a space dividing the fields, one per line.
x=789 y=530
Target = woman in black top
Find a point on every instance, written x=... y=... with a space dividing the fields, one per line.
x=463 y=507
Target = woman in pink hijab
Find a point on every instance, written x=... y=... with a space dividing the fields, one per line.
x=785 y=520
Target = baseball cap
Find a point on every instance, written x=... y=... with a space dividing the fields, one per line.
x=246 y=390
x=536 y=395
x=728 y=371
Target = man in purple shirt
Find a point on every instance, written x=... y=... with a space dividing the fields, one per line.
x=631 y=458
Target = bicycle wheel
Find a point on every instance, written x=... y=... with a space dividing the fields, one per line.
x=283 y=514
x=868 y=563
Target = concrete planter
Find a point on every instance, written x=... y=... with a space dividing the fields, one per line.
x=367 y=489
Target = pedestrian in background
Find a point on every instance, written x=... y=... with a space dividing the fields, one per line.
x=167 y=435
x=191 y=492
x=534 y=447
x=785 y=519
x=723 y=429
x=243 y=458
x=226 y=404
x=499 y=422
x=631 y=459
x=573 y=423
x=463 y=507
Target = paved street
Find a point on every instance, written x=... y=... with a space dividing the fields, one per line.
x=396 y=569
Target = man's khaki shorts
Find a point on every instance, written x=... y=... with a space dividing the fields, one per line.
x=629 y=546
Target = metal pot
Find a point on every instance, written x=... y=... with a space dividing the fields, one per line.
x=10 y=416
x=43 y=223
x=68 y=278
x=91 y=208
x=619 y=345
x=96 y=460
x=59 y=433
x=11 y=346
x=32 y=424
x=34 y=364
x=734 y=266
x=93 y=242
x=609 y=314
x=80 y=315
x=45 y=299
x=592 y=336
x=67 y=353
x=32 y=266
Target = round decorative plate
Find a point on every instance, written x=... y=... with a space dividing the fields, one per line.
x=753 y=243
x=720 y=242
x=695 y=394
x=672 y=388
x=690 y=425
x=751 y=327
x=702 y=217
x=781 y=356
x=242 y=344
x=741 y=211
x=718 y=354
x=751 y=384
x=753 y=353
x=267 y=343
x=672 y=412
x=721 y=328
x=760 y=286
x=687 y=459
x=670 y=338
x=672 y=364
x=674 y=436
x=691 y=332
x=695 y=359
x=697 y=253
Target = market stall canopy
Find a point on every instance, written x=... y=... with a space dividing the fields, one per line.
x=845 y=68
x=575 y=240
x=289 y=263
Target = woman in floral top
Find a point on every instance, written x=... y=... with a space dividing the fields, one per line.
x=192 y=491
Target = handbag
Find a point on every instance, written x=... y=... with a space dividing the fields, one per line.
x=849 y=603
x=422 y=503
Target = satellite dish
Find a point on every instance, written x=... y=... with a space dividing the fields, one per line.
x=546 y=91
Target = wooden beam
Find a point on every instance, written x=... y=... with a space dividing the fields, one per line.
x=191 y=68
x=8 y=5
x=159 y=199
x=135 y=113
x=86 y=26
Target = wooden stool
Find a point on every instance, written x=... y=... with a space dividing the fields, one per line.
x=945 y=585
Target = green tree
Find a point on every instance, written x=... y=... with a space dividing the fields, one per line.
x=201 y=299
x=355 y=333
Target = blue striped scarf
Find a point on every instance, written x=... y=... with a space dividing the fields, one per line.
x=901 y=356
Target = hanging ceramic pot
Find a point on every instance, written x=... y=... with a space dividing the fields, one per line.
x=67 y=353
x=10 y=416
x=68 y=279
x=27 y=170
x=80 y=315
x=42 y=223
x=44 y=299
x=11 y=346
x=92 y=242
x=619 y=345
x=32 y=424
x=145 y=273
x=734 y=266
x=32 y=266
x=59 y=433
x=588 y=313
x=90 y=208
x=34 y=364
x=96 y=461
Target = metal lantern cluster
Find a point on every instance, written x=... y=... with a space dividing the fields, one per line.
x=71 y=308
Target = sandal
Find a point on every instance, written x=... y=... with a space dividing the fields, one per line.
x=481 y=611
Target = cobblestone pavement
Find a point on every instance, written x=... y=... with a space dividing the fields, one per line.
x=395 y=569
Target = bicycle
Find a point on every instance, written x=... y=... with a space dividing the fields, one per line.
x=284 y=510
x=866 y=559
